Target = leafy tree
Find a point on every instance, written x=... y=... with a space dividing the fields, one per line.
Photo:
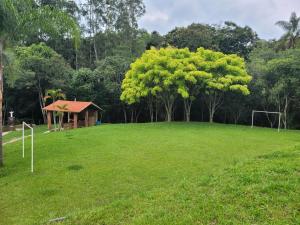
x=193 y=81
x=292 y=29
x=228 y=74
x=155 y=40
x=126 y=23
x=193 y=37
x=169 y=72
x=84 y=84
x=43 y=69
x=23 y=18
x=156 y=73
x=233 y=39
x=112 y=16
x=276 y=80
x=111 y=71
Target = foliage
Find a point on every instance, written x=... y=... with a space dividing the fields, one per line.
x=234 y=39
x=25 y=18
x=55 y=95
x=193 y=37
x=168 y=72
x=292 y=29
x=43 y=69
x=228 y=38
x=277 y=77
x=85 y=84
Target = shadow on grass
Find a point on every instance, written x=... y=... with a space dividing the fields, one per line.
x=75 y=167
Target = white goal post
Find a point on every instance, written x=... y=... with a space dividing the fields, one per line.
x=267 y=112
x=23 y=138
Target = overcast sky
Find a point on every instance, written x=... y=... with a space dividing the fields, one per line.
x=260 y=15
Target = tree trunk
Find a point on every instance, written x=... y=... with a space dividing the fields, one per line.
x=76 y=59
x=42 y=105
x=211 y=117
x=95 y=48
x=285 y=112
x=215 y=100
x=156 y=110
x=137 y=115
x=211 y=109
x=1 y=101
x=125 y=114
x=132 y=115
x=150 y=106
x=169 y=103
x=187 y=109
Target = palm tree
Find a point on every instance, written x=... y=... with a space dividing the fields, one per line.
x=20 y=18
x=292 y=29
x=54 y=95
x=61 y=114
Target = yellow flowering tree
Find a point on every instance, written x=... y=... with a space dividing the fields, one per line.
x=167 y=73
x=228 y=74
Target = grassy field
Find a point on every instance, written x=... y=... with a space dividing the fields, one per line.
x=11 y=136
x=175 y=173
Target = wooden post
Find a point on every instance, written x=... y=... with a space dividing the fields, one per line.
x=96 y=116
x=86 y=119
x=75 y=118
x=49 y=119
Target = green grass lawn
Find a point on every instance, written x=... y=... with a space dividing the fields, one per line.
x=162 y=173
x=17 y=134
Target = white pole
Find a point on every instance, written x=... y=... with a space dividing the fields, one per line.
x=279 y=122
x=23 y=137
x=252 y=119
x=32 y=150
x=23 y=140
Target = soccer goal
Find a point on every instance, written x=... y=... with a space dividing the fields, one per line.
x=267 y=112
x=23 y=138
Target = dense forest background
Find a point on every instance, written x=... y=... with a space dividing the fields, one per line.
x=110 y=40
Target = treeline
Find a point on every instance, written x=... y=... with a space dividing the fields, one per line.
x=110 y=41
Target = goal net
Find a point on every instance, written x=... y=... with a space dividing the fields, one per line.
x=266 y=112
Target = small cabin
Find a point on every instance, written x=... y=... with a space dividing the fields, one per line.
x=76 y=113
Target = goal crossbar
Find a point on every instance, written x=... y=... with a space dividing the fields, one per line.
x=267 y=112
x=23 y=138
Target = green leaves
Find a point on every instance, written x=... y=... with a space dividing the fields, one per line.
x=172 y=71
x=42 y=68
x=23 y=18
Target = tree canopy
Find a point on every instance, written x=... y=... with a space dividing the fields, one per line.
x=169 y=72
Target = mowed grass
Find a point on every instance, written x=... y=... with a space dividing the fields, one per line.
x=11 y=136
x=163 y=173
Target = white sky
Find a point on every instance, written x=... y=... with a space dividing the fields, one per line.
x=260 y=15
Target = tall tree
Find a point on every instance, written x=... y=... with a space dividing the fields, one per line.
x=234 y=39
x=21 y=18
x=157 y=73
x=37 y=61
x=228 y=74
x=292 y=30
x=194 y=36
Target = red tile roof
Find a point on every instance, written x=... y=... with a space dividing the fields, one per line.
x=71 y=106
